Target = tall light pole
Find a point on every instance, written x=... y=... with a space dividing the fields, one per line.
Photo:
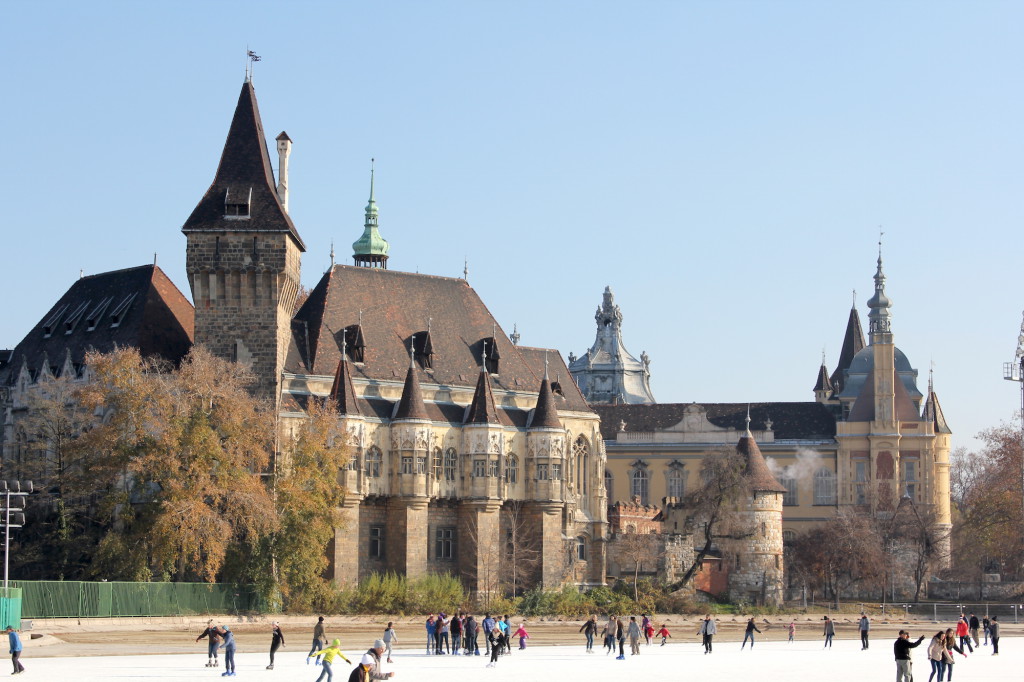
x=1014 y=371
x=14 y=516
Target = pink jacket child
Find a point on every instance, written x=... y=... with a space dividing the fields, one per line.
x=523 y=635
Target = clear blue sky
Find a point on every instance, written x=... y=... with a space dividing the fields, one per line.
x=724 y=166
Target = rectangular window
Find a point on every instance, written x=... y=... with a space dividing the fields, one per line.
x=407 y=465
x=790 y=499
x=860 y=478
x=542 y=472
x=376 y=542
x=910 y=478
x=421 y=465
x=581 y=549
x=444 y=543
x=479 y=468
x=492 y=468
x=556 y=472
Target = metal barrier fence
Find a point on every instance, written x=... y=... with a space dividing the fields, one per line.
x=10 y=607
x=939 y=612
x=69 y=599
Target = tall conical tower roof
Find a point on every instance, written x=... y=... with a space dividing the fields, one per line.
x=545 y=416
x=342 y=391
x=411 y=405
x=371 y=250
x=823 y=383
x=243 y=196
x=482 y=409
x=853 y=343
x=758 y=473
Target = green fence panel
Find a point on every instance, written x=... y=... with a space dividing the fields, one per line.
x=10 y=607
x=69 y=599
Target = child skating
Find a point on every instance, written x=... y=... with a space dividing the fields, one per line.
x=329 y=654
x=664 y=634
x=523 y=635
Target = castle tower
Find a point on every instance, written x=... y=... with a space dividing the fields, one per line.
x=243 y=256
x=344 y=550
x=607 y=373
x=371 y=250
x=758 y=573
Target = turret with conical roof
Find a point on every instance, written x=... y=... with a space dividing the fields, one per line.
x=853 y=343
x=371 y=250
x=545 y=415
x=411 y=406
x=342 y=391
x=823 y=385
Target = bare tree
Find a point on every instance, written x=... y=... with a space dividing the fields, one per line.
x=636 y=548
x=916 y=534
x=845 y=551
x=522 y=556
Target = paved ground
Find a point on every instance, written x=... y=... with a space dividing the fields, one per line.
x=770 y=660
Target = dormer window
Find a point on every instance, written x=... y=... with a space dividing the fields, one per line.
x=119 y=312
x=355 y=346
x=93 y=318
x=493 y=357
x=51 y=323
x=76 y=314
x=423 y=350
x=237 y=203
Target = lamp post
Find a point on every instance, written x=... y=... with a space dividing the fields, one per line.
x=1014 y=371
x=14 y=516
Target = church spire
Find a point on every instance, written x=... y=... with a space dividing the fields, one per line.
x=371 y=250
x=879 y=319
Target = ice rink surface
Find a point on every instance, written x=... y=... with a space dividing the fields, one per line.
x=767 y=662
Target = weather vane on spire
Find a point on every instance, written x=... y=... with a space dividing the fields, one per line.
x=252 y=58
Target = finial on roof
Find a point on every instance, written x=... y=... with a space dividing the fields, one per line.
x=822 y=355
x=332 y=253
x=483 y=357
x=430 y=322
x=81 y=273
x=344 y=346
x=412 y=352
x=880 y=319
x=154 y=258
x=854 y=298
x=545 y=364
x=748 y=420
x=465 y=268
x=514 y=336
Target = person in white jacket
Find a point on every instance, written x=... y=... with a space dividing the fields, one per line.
x=708 y=629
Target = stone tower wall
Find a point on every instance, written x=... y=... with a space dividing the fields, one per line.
x=757 y=575
x=244 y=287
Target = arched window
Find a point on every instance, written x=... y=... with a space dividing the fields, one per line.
x=450 y=464
x=581 y=458
x=676 y=481
x=373 y=462
x=608 y=485
x=511 y=469
x=788 y=536
x=824 y=487
x=436 y=464
x=640 y=484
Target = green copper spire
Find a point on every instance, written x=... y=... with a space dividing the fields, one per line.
x=371 y=250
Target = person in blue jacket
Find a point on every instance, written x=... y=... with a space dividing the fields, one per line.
x=229 y=651
x=16 y=647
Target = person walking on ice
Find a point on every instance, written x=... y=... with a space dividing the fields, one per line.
x=634 y=637
x=389 y=637
x=329 y=654
x=213 y=633
x=276 y=642
x=864 y=625
x=749 y=634
x=15 y=650
x=792 y=630
x=375 y=653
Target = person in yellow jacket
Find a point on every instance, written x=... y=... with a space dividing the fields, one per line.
x=329 y=654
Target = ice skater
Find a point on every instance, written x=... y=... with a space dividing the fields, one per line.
x=497 y=644
x=389 y=637
x=589 y=629
x=276 y=641
x=329 y=654
x=228 y=645
x=708 y=629
x=792 y=630
x=830 y=632
x=213 y=633
x=664 y=634
x=16 y=647
x=749 y=634
x=319 y=639
x=523 y=635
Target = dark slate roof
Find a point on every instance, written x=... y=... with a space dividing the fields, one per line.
x=397 y=305
x=481 y=409
x=760 y=477
x=342 y=392
x=244 y=167
x=137 y=307
x=863 y=409
x=853 y=343
x=810 y=421
x=565 y=393
x=823 y=383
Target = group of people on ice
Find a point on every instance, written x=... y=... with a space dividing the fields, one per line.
x=460 y=634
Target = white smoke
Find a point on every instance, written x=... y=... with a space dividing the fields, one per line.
x=807 y=462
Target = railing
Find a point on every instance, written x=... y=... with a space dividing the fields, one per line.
x=70 y=599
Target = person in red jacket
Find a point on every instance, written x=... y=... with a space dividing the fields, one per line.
x=963 y=632
x=664 y=634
